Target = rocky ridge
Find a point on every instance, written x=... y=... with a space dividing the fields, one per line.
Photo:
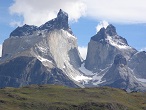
x=42 y=45
x=49 y=55
x=112 y=62
x=107 y=44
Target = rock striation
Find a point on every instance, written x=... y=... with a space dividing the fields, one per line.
x=49 y=55
x=138 y=64
x=104 y=46
x=41 y=55
x=119 y=75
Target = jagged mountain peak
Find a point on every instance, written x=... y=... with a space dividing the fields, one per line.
x=60 y=22
x=50 y=55
x=62 y=14
x=23 y=31
x=111 y=30
x=101 y=35
x=51 y=46
x=104 y=46
x=110 y=36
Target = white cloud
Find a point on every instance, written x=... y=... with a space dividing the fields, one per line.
x=0 y=50
x=15 y=24
x=38 y=12
x=101 y=25
x=143 y=49
x=121 y=11
x=83 y=51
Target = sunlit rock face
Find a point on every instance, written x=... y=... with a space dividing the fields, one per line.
x=138 y=64
x=104 y=46
x=50 y=51
x=121 y=76
x=49 y=55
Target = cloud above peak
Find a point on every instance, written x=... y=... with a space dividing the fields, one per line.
x=124 y=11
x=101 y=25
x=143 y=49
x=38 y=12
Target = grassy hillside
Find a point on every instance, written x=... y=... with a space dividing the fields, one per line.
x=52 y=97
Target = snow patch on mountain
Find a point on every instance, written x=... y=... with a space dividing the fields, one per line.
x=82 y=78
x=117 y=43
x=140 y=79
x=97 y=79
x=93 y=77
x=85 y=71
x=55 y=46
x=43 y=59
x=68 y=34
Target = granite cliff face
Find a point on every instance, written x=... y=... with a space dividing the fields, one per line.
x=23 y=70
x=49 y=55
x=112 y=62
x=41 y=55
x=60 y=22
x=138 y=64
x=104 y=46
x=121 y=76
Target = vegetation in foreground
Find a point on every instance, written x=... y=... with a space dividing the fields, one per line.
x=53 y=97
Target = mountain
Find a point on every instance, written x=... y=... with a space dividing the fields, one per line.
x=104 y=46
x=49 y=55
x=23 y=70
x=138 y=64
x=121 y=76
x=41 y=55
x=60 y=22
x=112 y=62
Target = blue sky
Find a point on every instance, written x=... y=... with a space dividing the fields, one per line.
x=127 y=16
